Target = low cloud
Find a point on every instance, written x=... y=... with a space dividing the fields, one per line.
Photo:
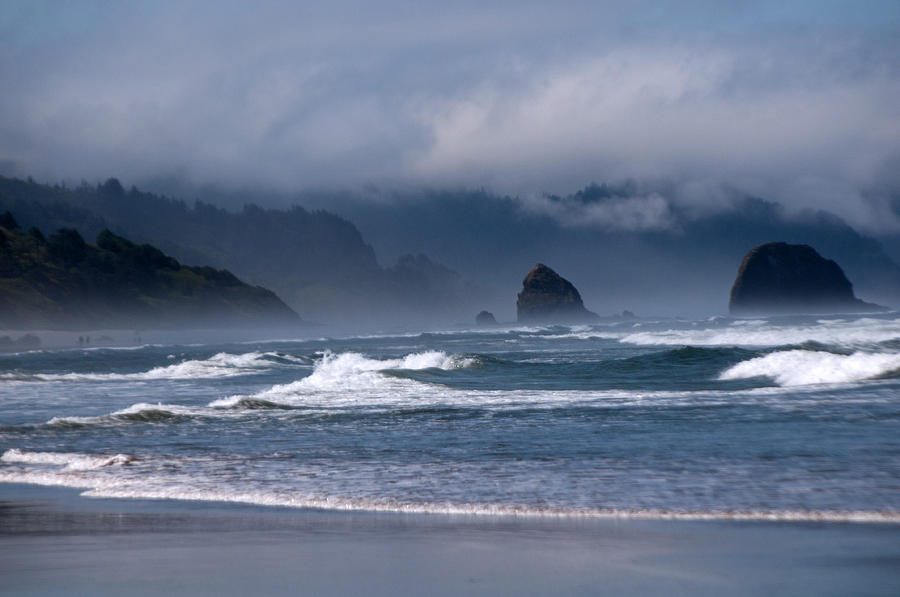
x=524 y=100
x=691 y=114
x=630 y=213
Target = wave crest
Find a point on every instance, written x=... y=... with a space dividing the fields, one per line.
x=335 y=370
x=338 y=373
x=137 y=413
x=217 y=366
x=855 y=333
x=806 y=367
x=67 y=461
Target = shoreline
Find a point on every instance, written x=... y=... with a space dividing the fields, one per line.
x=354 y=506
x=55 y=541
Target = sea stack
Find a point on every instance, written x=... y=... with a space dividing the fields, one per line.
x=547 y=297
x=485 y=319
x=779 y=278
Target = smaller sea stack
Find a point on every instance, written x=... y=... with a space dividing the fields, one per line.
x=485 y=319
x=779 y=278
x=547 y=297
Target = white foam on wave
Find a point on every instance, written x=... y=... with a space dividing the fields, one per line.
x=66 y=461
x=348 y=370
x=397 y=394
x=141 y=411
x=334 y=503
x=857 y=332
x=65 y=469
x=339 y=376
x=217 y=366
x=353 y=381
x=100 y=483
x=347 y=380
x=130 y=347
x=719 y=331
x=805 y=367
x=374 y=393
x=584 y=335
x=752 y=322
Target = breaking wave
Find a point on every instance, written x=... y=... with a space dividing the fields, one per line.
x=137 y=413
x=857 y=332
x=96 y=475
x=66 y=461
x=338 y=371
x=291 y=500
x=353 y=382
x=217 y=366
x=338 y=375
x=806 y=367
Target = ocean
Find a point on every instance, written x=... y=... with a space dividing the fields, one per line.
x=770 y=419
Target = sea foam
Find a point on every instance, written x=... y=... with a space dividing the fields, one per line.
x=351 y=504
x=66 y=461
x=217 y=366
x=141 y=412
x=858 y=332
x=335 y=371
x=96 y=474
x=339 y=376
x=804 y=367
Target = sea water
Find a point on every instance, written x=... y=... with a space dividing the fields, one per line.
x=771 y=419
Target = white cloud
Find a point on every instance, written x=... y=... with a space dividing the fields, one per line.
x=687 y=113
x=521 y=99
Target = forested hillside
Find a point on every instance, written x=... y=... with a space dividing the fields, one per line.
x=61 y=282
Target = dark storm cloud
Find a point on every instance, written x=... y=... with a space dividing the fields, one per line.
x=795 y=104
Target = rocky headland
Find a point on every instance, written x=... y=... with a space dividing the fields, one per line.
x=62 y=282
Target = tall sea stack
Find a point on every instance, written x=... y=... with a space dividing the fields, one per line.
x=546 y=297
x=780 y=278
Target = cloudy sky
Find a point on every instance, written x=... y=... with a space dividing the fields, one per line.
x=795 y=103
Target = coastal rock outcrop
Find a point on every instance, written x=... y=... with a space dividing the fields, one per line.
x=548 y=297
x=782 y=278
x=485 y=319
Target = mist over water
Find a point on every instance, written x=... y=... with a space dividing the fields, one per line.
x=783 y=419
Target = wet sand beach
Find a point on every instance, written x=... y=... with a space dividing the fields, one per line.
x=54 y=542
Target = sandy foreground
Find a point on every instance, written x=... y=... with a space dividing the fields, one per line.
x=54 y=542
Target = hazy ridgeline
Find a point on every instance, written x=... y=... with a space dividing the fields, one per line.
x=623 y=246
x=314 y=260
